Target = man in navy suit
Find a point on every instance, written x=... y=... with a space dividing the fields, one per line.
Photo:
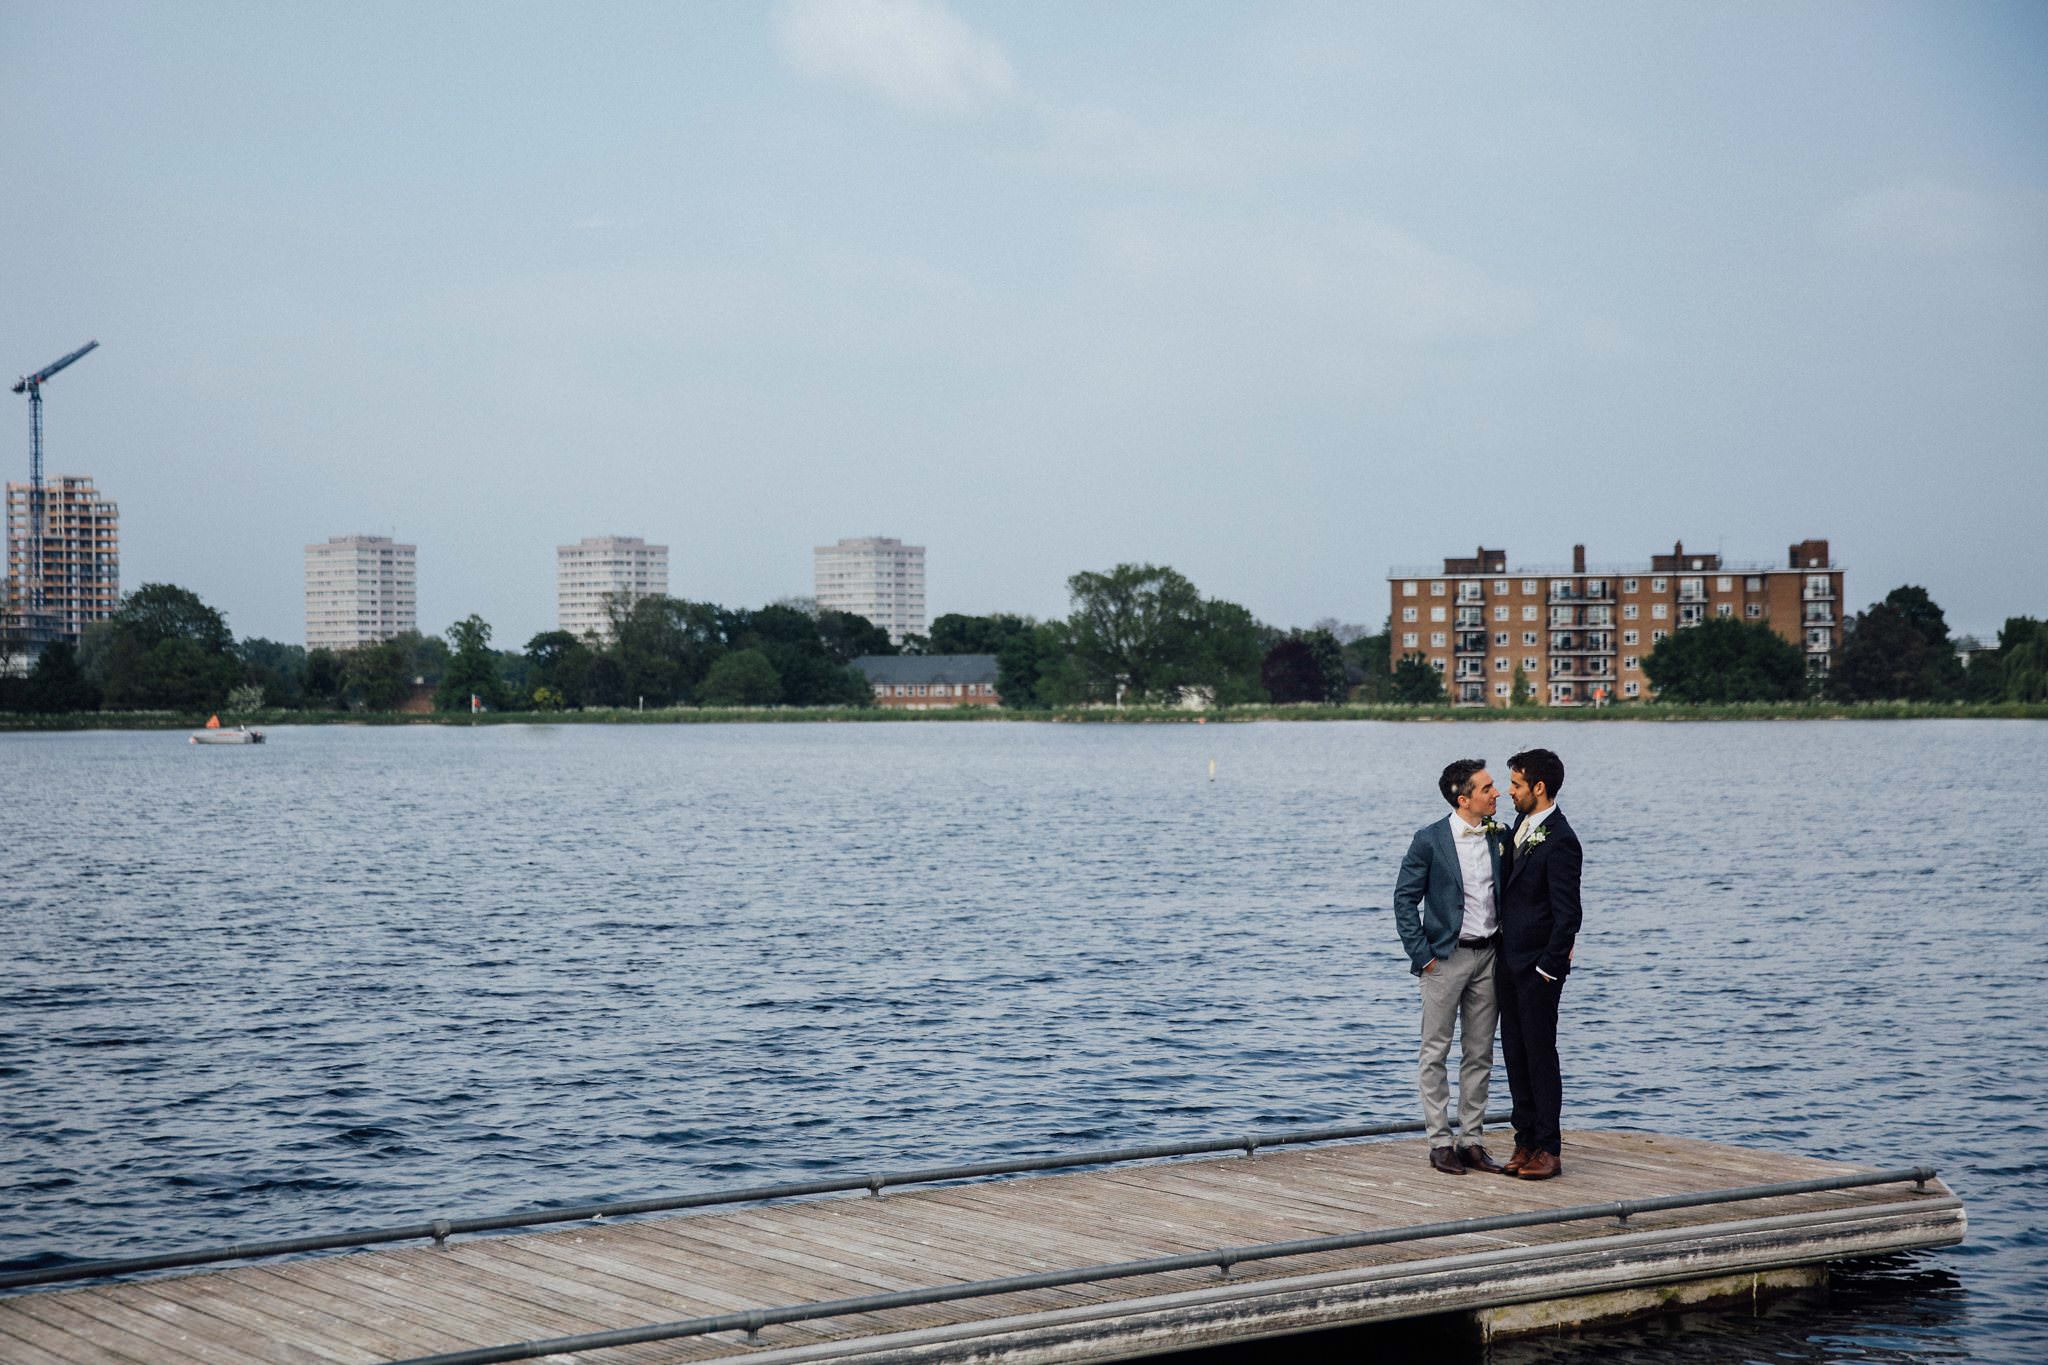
x=1539 y=920
x=1446 y=912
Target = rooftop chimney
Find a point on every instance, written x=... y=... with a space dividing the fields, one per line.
x=1578 y=559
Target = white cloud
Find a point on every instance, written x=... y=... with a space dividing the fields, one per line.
x=914 y=53
x=1928 y=218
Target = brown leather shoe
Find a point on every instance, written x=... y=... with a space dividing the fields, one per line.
x=1474 y=1158
x=1541 y=1166
x=1517 y=1161
x=1446 y=1160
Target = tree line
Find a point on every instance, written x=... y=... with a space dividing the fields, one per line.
x=1898 y=649
x=1136 y=634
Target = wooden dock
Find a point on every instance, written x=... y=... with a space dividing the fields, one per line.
x=591 y=1277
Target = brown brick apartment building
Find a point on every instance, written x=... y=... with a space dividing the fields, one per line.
x=931 y=681
x=1581 y=635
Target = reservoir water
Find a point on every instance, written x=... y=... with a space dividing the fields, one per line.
x=361 y=976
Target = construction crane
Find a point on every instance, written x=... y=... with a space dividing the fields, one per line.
x=32 y=566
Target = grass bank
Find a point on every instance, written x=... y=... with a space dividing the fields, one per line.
x=1091 y=715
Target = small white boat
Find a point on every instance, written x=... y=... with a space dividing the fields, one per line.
x=215 y=734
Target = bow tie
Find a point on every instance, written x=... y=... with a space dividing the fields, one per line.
x=1465 y=830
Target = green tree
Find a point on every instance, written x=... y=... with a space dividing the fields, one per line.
x=373 y=677
x=846 y=636
x=1416 y=682
x=561 y=666
x=1228 y=646
x=1521 y=692
x=278 y=669
x=1021 y=663
x=168 y=650
x=57 y=684
x=1370 y=657
x=323 y=677
x=1726 y=660
x=742 y=678
x=472 y=668
x=2023 y=659
x=663 y=646
x=1897 y=650
x=1305 y=666
x=954 y=633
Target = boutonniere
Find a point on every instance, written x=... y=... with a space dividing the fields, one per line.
x=1542 y=833
x=1494 y=829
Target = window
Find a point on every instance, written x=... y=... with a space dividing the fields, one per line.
x=1724 y=609
x=1658 y=611
x=1436 y=613
x=1501 y=689
x=921 y=689
x=1500 y=587
x=1691 y=613
x=902 y=689
x=1408 y=640
x=1529 y=664
x=1407 y=613
x=1500 y=664
x=1628 y=585
x=1436 y=639
x=1528 y=613
x=1754 y=611
x=1437 y=664
x=881 y=689
x=1630 y=689
x=1408 y=589
x=1724 y=584
x=1753 y=584
x=1500 y=639
x=1437 y=589
x=1528 y=637
x=1819 y=639
x=1657 y=585
x=1528 y=587
x=1628 y=611
x=1628 y=637
x=1628 y=661
x=1500 y=613
x=1657 y=635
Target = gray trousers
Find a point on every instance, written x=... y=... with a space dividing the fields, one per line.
x=1458 y=991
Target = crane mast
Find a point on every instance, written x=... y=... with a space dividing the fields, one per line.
x=32 y=565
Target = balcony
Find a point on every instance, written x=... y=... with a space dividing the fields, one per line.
x=1819 y=614
x=1470 y=618
x=1471 y=642
x=1824 y=592
x=1471 y=592
x=1583 y=642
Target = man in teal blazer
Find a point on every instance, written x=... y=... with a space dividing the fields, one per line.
x=1447 y=911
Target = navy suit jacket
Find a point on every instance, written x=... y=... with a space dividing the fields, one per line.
x=1429 y=893
x=1539 y=901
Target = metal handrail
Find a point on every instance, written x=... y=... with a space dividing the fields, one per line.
x=1223 y=1258
x=440 y=1229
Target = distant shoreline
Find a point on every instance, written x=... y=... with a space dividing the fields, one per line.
x=1100 y=715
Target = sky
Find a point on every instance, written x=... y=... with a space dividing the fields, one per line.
x=1282 y=295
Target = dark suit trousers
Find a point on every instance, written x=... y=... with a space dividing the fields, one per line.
x=1528 y=1043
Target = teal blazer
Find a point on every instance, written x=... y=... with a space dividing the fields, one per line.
x=1429 y=894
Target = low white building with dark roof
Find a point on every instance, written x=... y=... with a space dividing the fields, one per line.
x=924 y=682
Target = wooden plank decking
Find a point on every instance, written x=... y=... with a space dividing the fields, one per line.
x=386 y=1305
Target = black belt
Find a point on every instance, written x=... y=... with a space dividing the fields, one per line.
x=1486 y=942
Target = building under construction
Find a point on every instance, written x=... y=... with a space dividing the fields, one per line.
x=81 y=560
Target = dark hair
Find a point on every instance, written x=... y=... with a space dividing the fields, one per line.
x=1457 y=779
x=1540 y=765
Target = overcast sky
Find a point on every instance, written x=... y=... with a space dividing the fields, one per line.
x=1278 y=294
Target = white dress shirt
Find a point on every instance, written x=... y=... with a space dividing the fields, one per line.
x=1475 y=866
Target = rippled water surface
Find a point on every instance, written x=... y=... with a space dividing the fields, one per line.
x=360 y=976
